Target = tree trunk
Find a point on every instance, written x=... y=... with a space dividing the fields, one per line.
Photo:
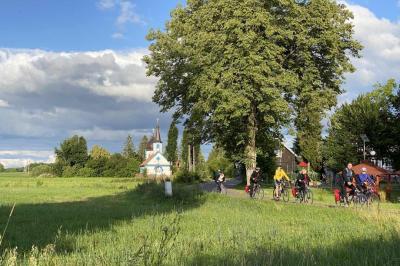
x=250 y=150
x=190 y=158
x=194 y=159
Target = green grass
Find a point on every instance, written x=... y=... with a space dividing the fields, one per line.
x=104 y=221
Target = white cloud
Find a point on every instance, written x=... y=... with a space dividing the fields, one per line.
x=127 y=15
x=109 y=134
x=381 y=54
x=106 y=4
x=4 y=104
x=107 y=73
x=118 y=35
x=26 y=153
x=21 y=158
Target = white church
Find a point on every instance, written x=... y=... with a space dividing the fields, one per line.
x=155 y=164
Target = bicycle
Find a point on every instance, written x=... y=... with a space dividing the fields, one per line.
x=219 y=188
x=305 y=196
x=373 y=197
x=283 y=192
x=256 y=191
x=357 y=199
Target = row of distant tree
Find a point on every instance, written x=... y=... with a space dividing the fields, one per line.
x=74 y=159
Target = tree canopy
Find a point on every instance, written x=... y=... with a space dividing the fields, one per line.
x=129 y=149
x=372 y=114
x=73 y=151
x=239 y=70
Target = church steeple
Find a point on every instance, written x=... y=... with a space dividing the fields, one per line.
x=157 y=134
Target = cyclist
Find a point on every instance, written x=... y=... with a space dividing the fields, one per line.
x=254 y=179
x=302 y=181
x=364 y=180
x=347 y=182
x=220 y=178
x=279 y=177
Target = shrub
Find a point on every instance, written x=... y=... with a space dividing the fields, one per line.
x=70 y=171
x=185 y=176
x=41 y=169
x=86 y=172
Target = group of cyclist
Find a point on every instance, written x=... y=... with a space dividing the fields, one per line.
x=349 y=182
x=302 y=181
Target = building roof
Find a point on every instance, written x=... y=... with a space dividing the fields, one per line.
x=155 y=138
x=290 y=150
x=148 y=160
x=157 y=135
x=371 y=169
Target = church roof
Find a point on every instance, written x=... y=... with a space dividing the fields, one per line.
x=157 y=135
x=155 y=138
x=148 y=160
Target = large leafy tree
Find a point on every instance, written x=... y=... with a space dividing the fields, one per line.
x=72 y=152
x=237 y=69
x=370 y=114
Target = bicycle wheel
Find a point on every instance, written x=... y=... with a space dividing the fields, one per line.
x=285 y=195
x=360 y=200
x=224 y=191
x=308 y=197
x=300 y=197
x=259 y=193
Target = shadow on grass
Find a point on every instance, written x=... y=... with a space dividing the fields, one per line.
x=38 y=224
x=381 y=251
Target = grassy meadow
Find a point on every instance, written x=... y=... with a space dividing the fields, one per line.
x=112 y=221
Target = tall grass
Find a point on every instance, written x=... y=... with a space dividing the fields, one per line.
x=137 y=225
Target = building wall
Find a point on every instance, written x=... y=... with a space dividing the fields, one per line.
x=287 y=160
x=152 y=170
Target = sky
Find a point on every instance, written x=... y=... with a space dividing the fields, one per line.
x=74 y=67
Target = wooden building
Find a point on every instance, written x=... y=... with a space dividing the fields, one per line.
x=287 y=159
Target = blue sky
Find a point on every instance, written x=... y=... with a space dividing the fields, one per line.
x=65 y=25
x=74 y=67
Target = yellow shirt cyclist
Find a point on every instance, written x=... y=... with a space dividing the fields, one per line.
x=279 y=176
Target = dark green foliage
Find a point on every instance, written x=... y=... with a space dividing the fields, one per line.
x=129 y=149
x=119 y=166
x=86 y=172
x=184 y=149
x=172 y=145
x=2 y=169
x=184 y=176
x=41 y=169
x=236 y=69
x=70 y=171
x=217 y=160
x=58 y=168
x=98 y=165
x=370 y=114
x=142 y=148
x=73 y=151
